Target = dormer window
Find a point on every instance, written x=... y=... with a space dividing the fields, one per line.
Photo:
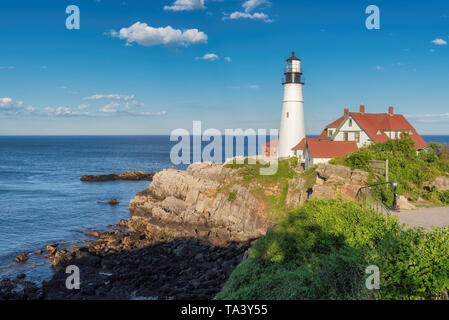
x=350 y=122
x=379 y=133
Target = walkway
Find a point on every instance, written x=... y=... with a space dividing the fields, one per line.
x=424 y=217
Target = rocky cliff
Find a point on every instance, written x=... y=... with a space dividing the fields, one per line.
x=197 y=202
x=192 y=203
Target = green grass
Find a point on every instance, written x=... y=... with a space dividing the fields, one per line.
x=232 y=196
x=321 y=251
x=251 y=172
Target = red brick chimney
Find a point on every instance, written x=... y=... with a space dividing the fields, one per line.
x=346 y=112
x=391 y=110
x=362 y=109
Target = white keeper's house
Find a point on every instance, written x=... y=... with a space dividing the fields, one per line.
x=346 y=134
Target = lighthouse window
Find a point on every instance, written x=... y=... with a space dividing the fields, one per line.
x=287 y=114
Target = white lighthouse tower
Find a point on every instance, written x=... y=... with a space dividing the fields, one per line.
x=292 y=129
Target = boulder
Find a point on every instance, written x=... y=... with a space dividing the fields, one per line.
x=404 y=204
x=51 y=248
x=328 y=171
x=62 y=258
x=441 y=183
x=92 y=233
x=113 y=202
x=21 y=258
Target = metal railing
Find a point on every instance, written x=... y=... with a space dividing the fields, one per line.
x=369 y=199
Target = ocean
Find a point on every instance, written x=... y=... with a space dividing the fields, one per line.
x=43 y=201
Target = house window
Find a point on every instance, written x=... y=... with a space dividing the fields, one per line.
x=330 y=132
x=350 y=122
x=346 y=136
x=357 y=136
x=396 y=135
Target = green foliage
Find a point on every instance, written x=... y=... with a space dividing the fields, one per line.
x=411 y=169
x=321 y=251
x=232 y=196
x=293 y=162
x=251 y=172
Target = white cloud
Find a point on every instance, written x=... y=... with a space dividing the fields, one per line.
x=209 y=56
x=110 y=96
x=254 y=86
x=186 y=5
x=110 y=107
x=83 y=106
x=379 y=68
x=439 y=42
x=7 y=67
x=227 y=59
x=9 y=103
x=429 y=117
x=250 y=5
x=147 y=36
x=245 y=15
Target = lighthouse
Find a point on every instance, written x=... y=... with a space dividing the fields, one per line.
x=292 y=128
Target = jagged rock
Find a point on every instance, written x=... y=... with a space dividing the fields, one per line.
x=404 y=204
x=51 y=248
x=328 y=171
x=297 y=194
x=323 y=191
x=187 y=204
x=129 y=175
x=441 y=183
x=92 y=233
x=62 y=258
x=338 y=180
x=21 y=258
x=123 y=223
x=38 y=252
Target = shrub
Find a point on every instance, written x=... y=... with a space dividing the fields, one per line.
x=411 y=169
x=232 y=196
x=321 y=250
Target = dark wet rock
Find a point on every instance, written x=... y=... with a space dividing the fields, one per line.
x=129 y=175
x=114 y=202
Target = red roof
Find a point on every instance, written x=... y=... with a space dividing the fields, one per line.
x=375 y=125
x=330 y=149
x=273 y=143
x=302 y=144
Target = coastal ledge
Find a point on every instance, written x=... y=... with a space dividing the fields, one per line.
x=126 y=176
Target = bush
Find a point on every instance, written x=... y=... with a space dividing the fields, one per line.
x=411 y=169
x=321 y=251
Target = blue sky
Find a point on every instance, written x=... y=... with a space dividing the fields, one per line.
x=220 y=62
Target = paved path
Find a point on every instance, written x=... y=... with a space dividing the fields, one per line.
x=425 y=217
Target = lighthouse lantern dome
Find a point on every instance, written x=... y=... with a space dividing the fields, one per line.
x=293 y=64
